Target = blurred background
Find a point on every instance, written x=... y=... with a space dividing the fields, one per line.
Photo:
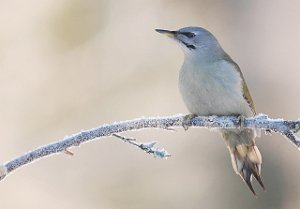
x=70 y=65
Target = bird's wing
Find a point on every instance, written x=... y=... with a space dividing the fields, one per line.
x=246 y=92
x=247 y=96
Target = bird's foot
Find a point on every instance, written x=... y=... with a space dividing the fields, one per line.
x=241 y=119
x=186 y=123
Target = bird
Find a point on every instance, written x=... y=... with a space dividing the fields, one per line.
x=211 y=83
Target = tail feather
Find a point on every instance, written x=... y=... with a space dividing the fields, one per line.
x=247 y=163
x=245 y=156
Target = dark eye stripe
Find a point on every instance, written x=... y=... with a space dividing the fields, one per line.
x=189 y=46
x=188 y=34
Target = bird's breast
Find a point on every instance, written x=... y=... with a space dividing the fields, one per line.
x=212 y=89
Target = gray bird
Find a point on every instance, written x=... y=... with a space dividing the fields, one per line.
x=211 y=83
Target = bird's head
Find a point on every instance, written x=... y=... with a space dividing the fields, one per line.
x=195 y=41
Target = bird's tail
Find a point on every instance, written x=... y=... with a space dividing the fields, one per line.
x=245 y=156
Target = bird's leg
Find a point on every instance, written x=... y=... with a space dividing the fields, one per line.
x=186 y=123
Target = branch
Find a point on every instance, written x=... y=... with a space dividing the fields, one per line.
x=285 y=127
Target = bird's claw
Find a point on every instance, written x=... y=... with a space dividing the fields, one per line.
x=186 y=123
x=241 y=119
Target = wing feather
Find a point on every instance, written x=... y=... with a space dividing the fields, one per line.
x=246 y=92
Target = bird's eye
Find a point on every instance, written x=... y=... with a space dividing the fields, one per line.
x=189 y=34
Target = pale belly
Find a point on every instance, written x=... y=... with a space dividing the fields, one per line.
x=214 y=90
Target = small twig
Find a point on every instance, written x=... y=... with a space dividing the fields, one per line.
x=147 y=147
x=285 y=127
x=68 y=152
x=293 y=138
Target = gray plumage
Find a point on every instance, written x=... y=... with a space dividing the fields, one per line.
x=211 y=83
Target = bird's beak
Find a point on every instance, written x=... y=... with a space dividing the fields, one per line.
x=168 y=33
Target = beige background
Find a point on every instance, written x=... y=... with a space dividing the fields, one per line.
x=70 y=65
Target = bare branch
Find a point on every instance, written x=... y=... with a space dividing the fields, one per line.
x=285 y=127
